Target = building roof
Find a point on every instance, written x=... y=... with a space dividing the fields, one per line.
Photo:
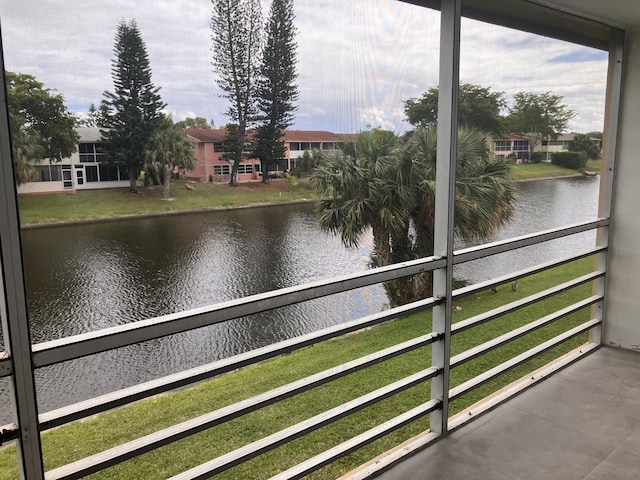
x=567 y=137
x=507 y=137
x=314 y=136
x=89 y=135
x=209 y=135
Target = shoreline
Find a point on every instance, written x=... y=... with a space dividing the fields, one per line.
x=65 y=223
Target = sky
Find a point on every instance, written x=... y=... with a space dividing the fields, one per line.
x=358 y=60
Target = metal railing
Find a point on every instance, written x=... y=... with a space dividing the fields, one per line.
x=48 y=353
x=22 y=359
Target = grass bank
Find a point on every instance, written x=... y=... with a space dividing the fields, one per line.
x=93 y=205
x=69 y=443
x=533 y=171
x=88 y=205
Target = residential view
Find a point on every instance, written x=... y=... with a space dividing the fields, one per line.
x=278 y=239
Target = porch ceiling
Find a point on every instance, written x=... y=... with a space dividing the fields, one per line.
x=621 y=13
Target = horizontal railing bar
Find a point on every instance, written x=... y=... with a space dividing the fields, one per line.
x=494 y=343
x=68 y=348
x=501 y=246
x=484 y=317
x=491 y=401
x=9 y=432
x=6 y=365
x=254 y=449
x=519 y=359
x=541 y=267
x=124 y=396
x=141 y=445
x=339 y=451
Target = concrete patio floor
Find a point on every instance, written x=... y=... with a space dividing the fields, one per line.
x=581 y=423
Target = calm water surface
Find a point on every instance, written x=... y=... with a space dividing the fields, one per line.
x=83 y=278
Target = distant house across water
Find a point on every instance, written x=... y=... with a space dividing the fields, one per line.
x=84 y=170
x=87 y=169
x=213 y=167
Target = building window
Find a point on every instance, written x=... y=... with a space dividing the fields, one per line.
x=521 y=145
x=245 y=168
x=108 y=173
x=44 y=175
x=294 y=145
x=218 y=147
x=503 y=145
x=48 y=173
x=222 y=169
x=90 y=152
x=91 y=173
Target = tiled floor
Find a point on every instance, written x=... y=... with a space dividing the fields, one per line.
x=582 y=423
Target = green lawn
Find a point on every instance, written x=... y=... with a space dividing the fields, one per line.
x=109 y=203
x=87 y=205
x=531 y=171
x=72 y=442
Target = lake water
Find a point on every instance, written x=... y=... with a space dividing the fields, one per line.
x=87 y=277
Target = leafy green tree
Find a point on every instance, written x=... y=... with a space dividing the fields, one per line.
x=277 y=88
x=479 y=107
x=134 y=109
x=41 y=125
x=168 y=148
x=388 y=185
x=537 y=116
x=194 y=122
x=584 y=143
x=237 y=41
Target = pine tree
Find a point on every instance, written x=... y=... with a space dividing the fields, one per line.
x=277 y=90
x=135 y=107
x=236 y=32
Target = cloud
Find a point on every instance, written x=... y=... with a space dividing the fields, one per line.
x=581 y=55
x=358 y=60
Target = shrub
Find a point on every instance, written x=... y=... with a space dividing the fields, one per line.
x=574 y=160
x=537 y=157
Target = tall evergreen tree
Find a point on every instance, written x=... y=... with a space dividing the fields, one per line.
x=236 y=32
x=135 y=107
x=277 y=88
x=96 y=117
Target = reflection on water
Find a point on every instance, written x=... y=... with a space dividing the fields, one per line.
x=542 y=205
x=88 y=277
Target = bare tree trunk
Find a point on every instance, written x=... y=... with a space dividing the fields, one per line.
x=381 y=246
x=133 y=180
x=166 y=192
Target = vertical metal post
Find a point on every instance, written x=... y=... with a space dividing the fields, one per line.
x=607 y=174
x=15 y=327
x=445 y=197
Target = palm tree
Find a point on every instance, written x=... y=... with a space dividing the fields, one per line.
x=388 y=184
x=27 y=148
x=169 y=147
x=360 y=195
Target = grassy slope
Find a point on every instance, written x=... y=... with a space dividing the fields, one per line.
x=531 y=171
x=110 y=203
x=77 y=440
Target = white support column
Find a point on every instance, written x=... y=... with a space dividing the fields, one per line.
x=15 y=327
x=607 y=174
x=445 y=197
